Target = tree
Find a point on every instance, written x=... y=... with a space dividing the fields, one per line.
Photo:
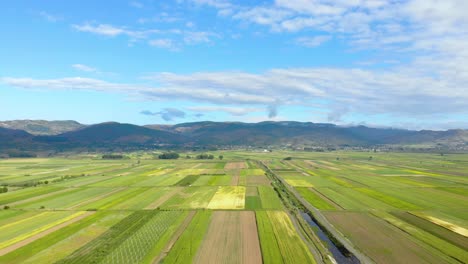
x=220 y=157
x=169 y=155
x=3 y=189
x=205 y=156
x=288 y=158
x=112 y=156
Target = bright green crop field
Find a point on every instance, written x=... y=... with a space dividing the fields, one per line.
x=387 y=207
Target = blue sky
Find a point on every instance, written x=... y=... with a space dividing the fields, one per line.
x=374 y=62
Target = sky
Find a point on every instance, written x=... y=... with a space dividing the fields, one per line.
x=381 y=63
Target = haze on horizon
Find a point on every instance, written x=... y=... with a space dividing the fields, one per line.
x=376 y=62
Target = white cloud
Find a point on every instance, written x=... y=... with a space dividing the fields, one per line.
x=222 y=4
x=263 y=15
x=312 y=41
x=195 y=37
x=102 y=29
x=235 y=111
x=162 y=43
x=49 y=17
x=398 y=91
x=136 y=4
x=85 y=68
x=313 y=7
x=161 y=17
x=169 y=39
x=400 y=26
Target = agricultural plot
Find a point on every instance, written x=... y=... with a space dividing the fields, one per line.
x=230 y=238
x=191 y=198
x=393 y=208
x=65 y=241
x=228 y=197
x=316 y=199
x=235 y=165
x=382 y=242
x=280 y=241
x=424 y=195
x=214 y=180
x=186 y=247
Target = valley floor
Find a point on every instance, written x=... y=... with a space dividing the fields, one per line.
x=246 y=208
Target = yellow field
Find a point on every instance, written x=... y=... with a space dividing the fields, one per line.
x=299 y=183
x=228 y=197
x=455 y=228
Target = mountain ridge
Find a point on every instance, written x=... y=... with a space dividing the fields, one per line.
x=112 y=135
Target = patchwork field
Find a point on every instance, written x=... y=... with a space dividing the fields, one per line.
x=392 y=208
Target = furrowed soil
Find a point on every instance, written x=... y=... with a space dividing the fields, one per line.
x=231 y=238
x=235 y=165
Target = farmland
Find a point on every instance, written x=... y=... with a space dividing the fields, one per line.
x=246 y=208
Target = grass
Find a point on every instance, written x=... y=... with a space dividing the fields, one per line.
x=269 y=198
x=186 y=247
x=253 y=203
x=314 y=199
x=291 y=246
x=188 y=180
x=268 y=240
x=6 y=198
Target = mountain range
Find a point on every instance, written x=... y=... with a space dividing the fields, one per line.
x=30 y=135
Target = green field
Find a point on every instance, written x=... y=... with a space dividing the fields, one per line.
x=82 y=209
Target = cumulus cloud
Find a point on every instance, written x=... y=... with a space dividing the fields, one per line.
x=168 y=114
x=399 y=91
x=401 y=26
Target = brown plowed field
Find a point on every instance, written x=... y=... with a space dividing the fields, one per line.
x=257 y=180
x=235 y=165
x=231 y=238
